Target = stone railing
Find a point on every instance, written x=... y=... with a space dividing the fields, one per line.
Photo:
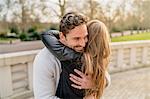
x=129 y=55
x=16 y=74
x=16 y=68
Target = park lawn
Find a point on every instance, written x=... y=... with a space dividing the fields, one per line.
x=141 y=36
x=3 y=40
x=7 y=39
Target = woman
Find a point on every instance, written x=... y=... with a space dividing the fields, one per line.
x=94 y=60
x=97 y=55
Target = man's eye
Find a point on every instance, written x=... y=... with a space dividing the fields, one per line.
x=76 y=38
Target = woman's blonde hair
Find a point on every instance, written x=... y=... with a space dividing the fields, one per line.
x=96 y=56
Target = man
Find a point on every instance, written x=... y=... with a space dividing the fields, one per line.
x=47 y=67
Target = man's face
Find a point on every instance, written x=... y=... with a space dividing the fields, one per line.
x=77 y=38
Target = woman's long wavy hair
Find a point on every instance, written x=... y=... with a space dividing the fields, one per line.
x=96 y=56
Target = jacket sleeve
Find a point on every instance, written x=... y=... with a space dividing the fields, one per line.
x=45 y=76
x=62 y=52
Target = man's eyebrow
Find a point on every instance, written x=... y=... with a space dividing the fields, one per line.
x=76 y=37
x=79 y=36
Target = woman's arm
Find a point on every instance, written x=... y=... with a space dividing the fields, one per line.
x=62 y=52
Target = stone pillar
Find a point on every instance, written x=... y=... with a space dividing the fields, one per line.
x=120 y=58
x=133 y=57
x=30 y=75
x=145 y=56
x=5 y=82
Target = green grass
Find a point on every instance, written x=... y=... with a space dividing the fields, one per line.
x=141 y=36
x=6 y=39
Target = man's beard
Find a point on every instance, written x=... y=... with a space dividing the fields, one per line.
x=78 y=50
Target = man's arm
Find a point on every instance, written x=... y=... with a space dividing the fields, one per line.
x=45 y=77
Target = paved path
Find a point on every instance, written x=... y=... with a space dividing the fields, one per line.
x=133 y=84
x=20 y=46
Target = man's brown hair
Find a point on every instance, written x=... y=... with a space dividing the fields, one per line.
x=70 y=20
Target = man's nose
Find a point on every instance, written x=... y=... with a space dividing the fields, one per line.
x=82 y=43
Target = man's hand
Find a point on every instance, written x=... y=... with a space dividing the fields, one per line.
x=83 y=82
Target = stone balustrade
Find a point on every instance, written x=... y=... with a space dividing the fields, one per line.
x=129 y=55
x=16 y=74
x=16 y=68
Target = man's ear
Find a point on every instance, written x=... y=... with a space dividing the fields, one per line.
x=62 y=37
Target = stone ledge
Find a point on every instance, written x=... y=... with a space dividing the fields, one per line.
x=23 y=95
x=17 y=57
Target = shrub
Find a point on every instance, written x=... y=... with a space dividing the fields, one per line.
x=24 y=37
x=32 y=29
x=14 y=30
x=3 y=35
x=34 y=36
x=54 y=27
x=115 y=29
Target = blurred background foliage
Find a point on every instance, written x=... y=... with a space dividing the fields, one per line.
x=26 y=19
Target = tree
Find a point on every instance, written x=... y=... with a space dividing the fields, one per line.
x=111 y=15
x=145 y=20
x=31 y=12
x=92 y=8
x=137 y=4
x=61 y=4
x=5 y=10
x=122 y=16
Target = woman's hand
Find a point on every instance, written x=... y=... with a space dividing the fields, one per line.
x=82 y=82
